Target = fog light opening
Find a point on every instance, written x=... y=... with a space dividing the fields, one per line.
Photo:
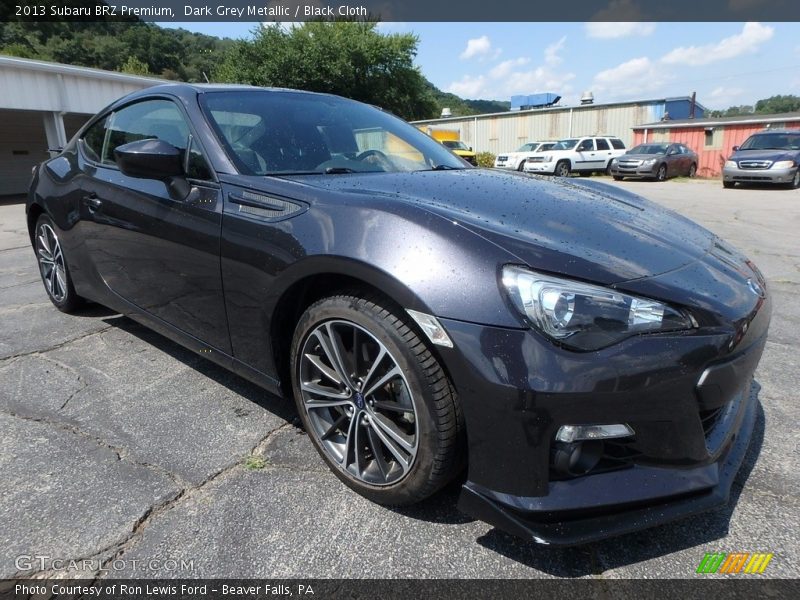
x=576 y=458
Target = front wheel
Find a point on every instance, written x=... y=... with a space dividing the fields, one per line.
x=618 y=178
x=661 y=174
x=562 y=169
x=693 y=170
x=728 y=184
x=374 y=400
x=53 y=267
x=795 y=183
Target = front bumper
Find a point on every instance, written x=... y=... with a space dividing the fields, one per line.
x=517 y=389
x=647 y=171
x=758 y=175
x=547 y=168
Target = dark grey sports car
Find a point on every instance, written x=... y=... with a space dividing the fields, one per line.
x=655 y=161
x=584 y=354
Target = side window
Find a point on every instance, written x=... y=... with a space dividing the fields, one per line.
x=617 y=144
x=146 y=120
x=93 y=140
x=602 y=144
x=196 y=165
x=585 y=145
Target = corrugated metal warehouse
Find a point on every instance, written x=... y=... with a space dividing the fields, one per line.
x=43 y=104
x=713 y=139
x=507 y=131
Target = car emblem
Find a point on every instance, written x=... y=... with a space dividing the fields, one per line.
x=359 y=398
x=756 y=288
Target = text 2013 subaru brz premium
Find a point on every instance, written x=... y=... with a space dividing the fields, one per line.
x=584 y=353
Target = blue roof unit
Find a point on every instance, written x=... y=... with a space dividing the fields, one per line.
x=534 y=100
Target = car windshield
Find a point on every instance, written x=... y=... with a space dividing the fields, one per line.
x=526 y=147
x=546 y=146
x=649 y=149
x=282 y=133
x=455 y=145
x=772 y=141
x=568 y=144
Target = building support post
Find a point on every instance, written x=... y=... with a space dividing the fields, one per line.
x=54 y=129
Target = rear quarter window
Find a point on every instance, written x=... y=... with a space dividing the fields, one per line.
x=617 y=144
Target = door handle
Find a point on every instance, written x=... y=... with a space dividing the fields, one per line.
x=93 y=202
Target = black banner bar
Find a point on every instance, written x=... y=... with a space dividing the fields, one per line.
x=164 y=11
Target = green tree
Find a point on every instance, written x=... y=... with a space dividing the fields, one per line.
x=778 y=104
x=135 y=66
x=349 y=58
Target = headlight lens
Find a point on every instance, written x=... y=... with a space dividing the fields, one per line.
x=730 y=164
x=648 y=162
x=783 y=164
x=583 y=316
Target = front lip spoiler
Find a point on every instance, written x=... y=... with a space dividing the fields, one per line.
x=574 y=530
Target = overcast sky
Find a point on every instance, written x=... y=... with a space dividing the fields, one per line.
x=725 y=63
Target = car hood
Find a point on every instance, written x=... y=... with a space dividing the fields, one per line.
x=581 y=229
x=773 y=155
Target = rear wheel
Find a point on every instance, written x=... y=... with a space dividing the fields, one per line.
x=53 y=267
x=562 y=169
x=374 y=400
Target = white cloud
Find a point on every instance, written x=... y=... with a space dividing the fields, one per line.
x=631 y=79
x=515 y=76
x=723 y=97
x=753 y=35
x=622 y=29
x=480 y=47
x=551 y=56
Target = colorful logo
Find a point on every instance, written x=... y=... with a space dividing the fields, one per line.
x=734 y=562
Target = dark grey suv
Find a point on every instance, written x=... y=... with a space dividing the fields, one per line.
x=771 y=156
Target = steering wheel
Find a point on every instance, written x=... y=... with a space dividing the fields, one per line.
x=382 y=158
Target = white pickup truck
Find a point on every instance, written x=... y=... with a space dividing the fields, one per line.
x=583 y=155
x=516 y=160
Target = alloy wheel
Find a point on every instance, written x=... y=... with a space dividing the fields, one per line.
x=358 y=403
x=662 y=173
x=51 y=262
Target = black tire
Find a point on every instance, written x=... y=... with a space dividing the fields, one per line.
x=562 y=169
x=728 y=184
x=795 y=183
x=661 y=174
x=521 y=166
x=618 y=178
x=437 y=421
x=692 y=170
x=53 y=267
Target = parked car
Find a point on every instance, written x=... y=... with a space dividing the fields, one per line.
x=461 y=150
x=576 y=155
x=770 y=156
x=516 y=160
x=586 y=354
x=657 y=161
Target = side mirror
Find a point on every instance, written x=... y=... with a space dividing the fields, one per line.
x=470 y=148
x=149 y=159
x=736 y=148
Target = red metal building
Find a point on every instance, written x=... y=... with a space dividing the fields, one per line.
x=712 y=139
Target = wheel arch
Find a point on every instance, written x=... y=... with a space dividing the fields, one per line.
x=35 y=210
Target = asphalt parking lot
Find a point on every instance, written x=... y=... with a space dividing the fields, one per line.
x=124 y=449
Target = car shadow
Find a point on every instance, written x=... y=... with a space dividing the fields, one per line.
x=280 y=407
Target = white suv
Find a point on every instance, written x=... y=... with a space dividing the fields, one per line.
x=516 y=160
x=582 y=155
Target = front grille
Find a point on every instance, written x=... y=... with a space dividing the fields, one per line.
x=502 y=158
x=629 y=164
x=755 y=164
x=751 y=178
x=536 y=159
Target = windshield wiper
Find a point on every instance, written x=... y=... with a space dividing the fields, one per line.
x=444 y=168
x=339 y=170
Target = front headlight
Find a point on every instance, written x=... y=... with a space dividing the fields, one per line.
x=649 y=162
x=583 y=316
x=783 y=164
x=547 y=158
x=731 y=164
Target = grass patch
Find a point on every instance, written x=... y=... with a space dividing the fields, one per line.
x=254 y=463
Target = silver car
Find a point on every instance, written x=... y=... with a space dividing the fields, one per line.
x=657 y=161
x=771 y=156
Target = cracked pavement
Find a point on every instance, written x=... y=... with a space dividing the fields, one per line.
x=121 y=447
